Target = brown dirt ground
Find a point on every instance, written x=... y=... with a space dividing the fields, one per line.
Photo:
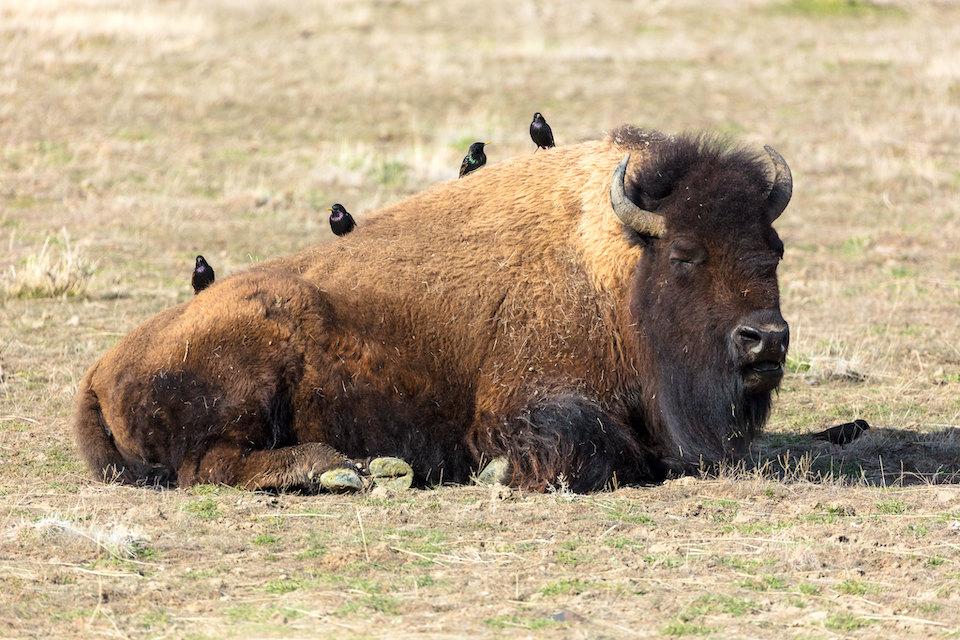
x=154 y=130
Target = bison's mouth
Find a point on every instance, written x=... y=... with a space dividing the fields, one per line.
x=763 y=375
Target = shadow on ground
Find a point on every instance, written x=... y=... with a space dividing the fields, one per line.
x=880 y=457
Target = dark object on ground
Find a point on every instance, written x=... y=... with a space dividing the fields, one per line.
x=341 y=222
x=474 y=159
x=843 y=433
x=202 y=275
x=541 y=133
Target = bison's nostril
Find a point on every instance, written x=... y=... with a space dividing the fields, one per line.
x=749 y=338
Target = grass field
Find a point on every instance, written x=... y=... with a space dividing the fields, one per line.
x=136 y=134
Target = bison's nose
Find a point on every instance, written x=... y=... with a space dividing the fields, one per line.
x=762 y=339
x=760 y=342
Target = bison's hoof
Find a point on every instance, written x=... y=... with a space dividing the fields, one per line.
x=341 y=480
x=494 y=473
x=392 y=473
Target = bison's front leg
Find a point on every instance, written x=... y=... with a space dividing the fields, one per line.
x=564 y=439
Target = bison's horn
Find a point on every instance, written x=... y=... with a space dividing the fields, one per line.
x=782 y=188
x=644 y=222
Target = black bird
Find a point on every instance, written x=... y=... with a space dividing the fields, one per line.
x=843 y=433
x=541 y=133
x=202 y=275
x=341 y=222
x=474 y=159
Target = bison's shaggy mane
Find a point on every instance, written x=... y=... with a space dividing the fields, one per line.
x=698 y=164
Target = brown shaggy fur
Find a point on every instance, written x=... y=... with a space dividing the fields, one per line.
x=523 y=320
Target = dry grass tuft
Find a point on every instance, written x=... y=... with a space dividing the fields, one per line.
x=831 y=368
x=60 y=268
x=118 y=541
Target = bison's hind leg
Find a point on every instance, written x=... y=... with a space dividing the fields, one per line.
x=308 y=467
x=304 y=467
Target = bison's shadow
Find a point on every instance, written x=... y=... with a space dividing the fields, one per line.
x=881 y=457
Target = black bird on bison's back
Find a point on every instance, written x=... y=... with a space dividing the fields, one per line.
x=541 y=133
x=474 y=159
x=202 y=275
x=844 y=433
x=341 y=222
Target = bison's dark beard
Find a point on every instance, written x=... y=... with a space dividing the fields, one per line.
x=704 y=414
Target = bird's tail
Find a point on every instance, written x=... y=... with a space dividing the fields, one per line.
x=95 y=440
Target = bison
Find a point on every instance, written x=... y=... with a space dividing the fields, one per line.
x=603 y=313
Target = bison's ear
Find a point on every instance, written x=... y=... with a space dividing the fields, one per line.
x=782 y=187
x=643 y=218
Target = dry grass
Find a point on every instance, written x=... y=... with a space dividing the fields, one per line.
x=154 y=131
x=58 y=269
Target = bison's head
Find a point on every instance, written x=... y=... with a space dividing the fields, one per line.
x=705 y=298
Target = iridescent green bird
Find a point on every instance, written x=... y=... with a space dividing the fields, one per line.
x=474 y=159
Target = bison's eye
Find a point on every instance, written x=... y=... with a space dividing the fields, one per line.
x=686 y=254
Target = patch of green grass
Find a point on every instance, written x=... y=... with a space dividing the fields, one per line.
x=22 y=201
x=69 y=615
x=891 y=507
x=837 y=8
x=766 y=583
x=797 y=365
x=390 y=173
x=567 y=587
x=900 y=271
x=265 y=539
x=929 y=607
x=199 y=574
x=203 y=508
x=854 y=247
x=664 y=560
x=707 y=604
x=678 y=628
x=622 y=542
x=808 y=589
x=285 y=585
x=250 y=613
x=855 y=587
x=378 y=602
x=628 y=514
x=935 y=561
x=423 y=540
x=567 y=553
x=425 y=581
x=756 y=528
x=746 y=565
x=205 y=489
x=56 y=154
x=60 y=461
x=133 y=134
x=155 y=619
x=500 y=623
x=315 y=547
x=845 y=622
